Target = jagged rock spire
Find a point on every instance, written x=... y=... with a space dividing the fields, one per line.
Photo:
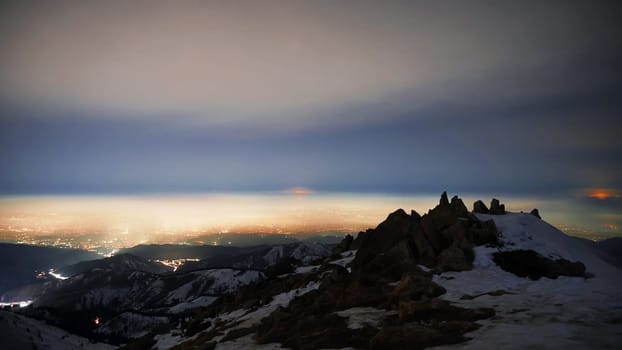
x=480 y=208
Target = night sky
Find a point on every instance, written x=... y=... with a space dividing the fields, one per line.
x=124 y=97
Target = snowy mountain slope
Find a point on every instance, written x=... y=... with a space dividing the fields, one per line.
x=20 y=332
x=212 y=282
x=140 y=290
x=262 y=257
x=108 y=267
x=118 y=263
x=525 y=231
x=240 y=319
x=611 y=250
x=567 y=312
x=131 y=325
x=130 y=304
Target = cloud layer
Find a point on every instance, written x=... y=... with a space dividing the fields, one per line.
x=291 y=61
x=147 y=96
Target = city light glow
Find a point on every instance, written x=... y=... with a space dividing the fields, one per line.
x=603 y=194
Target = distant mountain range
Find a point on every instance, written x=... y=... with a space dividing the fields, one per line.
x=19 y=263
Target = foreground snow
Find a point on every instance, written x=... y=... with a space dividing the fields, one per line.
x=20 y=332
x=242 y=318
x=568 y=312
x=251 y=318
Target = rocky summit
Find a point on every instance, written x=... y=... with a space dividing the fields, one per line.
x=442 y=240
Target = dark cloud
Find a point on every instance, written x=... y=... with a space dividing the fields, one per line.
x=285 y=63
x=347 y=96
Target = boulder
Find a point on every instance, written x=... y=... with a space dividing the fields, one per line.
x=457 y=257
x=535 y=213
x=424 y=251
x=483 y=232
x=496 y=208
x=480 y=207
x=458 y=207
x=389 y=264
x=344 y=245
x=384 y=237
x=528 y=263
x=440 y=218
x=415 y=286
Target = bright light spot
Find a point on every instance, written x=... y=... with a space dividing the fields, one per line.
x=602 y=194
x=300 y=191
x=96 y=321
x=112 y=253
x=57 y=275
x=175 y=263
x=22 y=303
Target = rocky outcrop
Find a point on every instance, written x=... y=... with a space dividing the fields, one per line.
x=344 y=245
x=496 y=208
x=484 y=233
x=442 y=239
x=528 y=263
x=311 y=321
x=480 y=208
x=535 y=213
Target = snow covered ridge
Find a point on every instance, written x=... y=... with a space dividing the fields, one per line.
x=114 y=306
x=566 y=312
x=141 y=291
x=526 y=232
x=265 y=256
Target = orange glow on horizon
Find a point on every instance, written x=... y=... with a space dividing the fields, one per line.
x=602 y=194
x=300 y=191
x=145 y=218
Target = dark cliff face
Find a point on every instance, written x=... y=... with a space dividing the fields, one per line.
x=442 y=239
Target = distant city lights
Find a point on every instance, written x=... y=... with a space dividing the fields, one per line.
x=53 y=273
x=23 y=303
